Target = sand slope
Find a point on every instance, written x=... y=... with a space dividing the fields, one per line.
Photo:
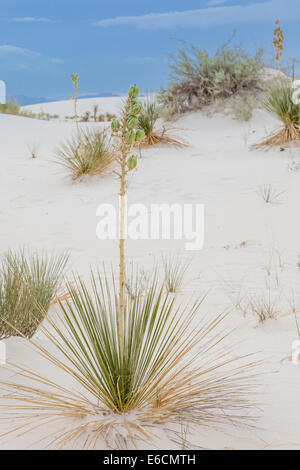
x=251 y=248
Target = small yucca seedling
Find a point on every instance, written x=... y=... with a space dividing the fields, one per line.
x=33 y=149
x=269 y=194
x=148 y=118
x=175 y=269
x=280 y=103
x=91 y=154
x=28 y=285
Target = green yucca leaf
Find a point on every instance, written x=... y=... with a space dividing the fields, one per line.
x=148 y=117
x=279 y=103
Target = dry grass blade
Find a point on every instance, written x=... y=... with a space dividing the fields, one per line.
x=171 y=369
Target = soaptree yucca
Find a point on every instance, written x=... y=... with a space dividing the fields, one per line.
x=135 y=359
x=280 y=103
x=148 y=119
x=88 y=152
x=166 y=367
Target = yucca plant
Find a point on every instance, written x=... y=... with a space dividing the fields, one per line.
x=280 y=103
x=148 y=118
x=28 y=285
x=89 y=154
x=168 y=369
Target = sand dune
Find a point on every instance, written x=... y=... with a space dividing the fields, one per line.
x=251 y=248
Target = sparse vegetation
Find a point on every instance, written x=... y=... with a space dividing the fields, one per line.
x=281 y=105
x=269 y=194
x=174 y=269
x=33 y=149
x=198 y=80
x=28 y=285
x=148 y=118
x=138 y=359
x=12 y=107
x=87 y=154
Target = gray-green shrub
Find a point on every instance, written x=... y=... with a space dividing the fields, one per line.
x=198 y=79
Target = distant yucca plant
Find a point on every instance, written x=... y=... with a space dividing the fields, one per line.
x=168 y=369
x=148 y=118
x=280 y=103
x=28 y=285
x=88 y=154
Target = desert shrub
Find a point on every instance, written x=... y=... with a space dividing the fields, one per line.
x=10 y=107
x=198 y=80
x=88 y=152
x=28 y=285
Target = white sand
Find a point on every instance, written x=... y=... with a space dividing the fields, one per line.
x=248 y=243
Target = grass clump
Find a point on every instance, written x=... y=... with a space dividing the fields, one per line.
x=88 y=153
x=28 y=285
x=198 y=79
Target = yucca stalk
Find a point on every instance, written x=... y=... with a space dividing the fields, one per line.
x=125 y=135
x=172 y=368
x=74 y=78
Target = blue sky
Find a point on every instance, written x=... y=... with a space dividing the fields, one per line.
x=113 y=43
